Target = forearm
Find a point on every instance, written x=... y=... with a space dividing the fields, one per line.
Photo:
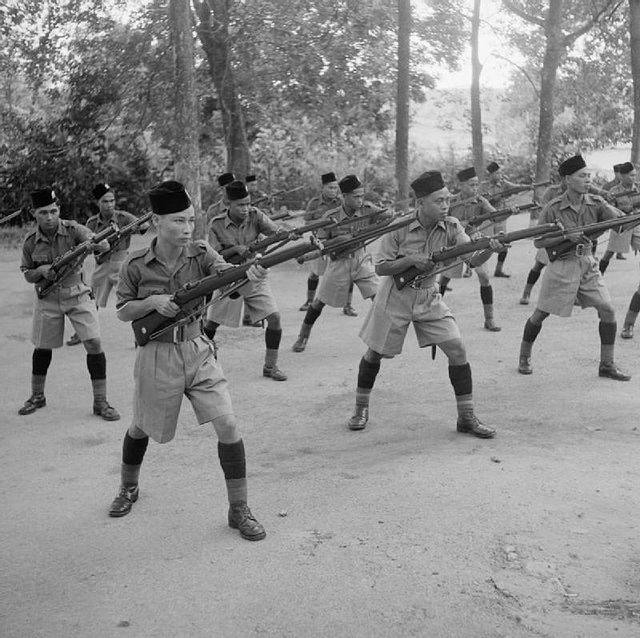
x=33 y=276
x=394 y=267
x=135 y=309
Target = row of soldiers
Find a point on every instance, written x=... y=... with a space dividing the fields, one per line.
x=182 y=360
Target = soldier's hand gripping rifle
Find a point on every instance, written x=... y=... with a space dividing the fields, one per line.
x=446 y=254
x=153 y=324
x=588 y=232
x=69 y=261
x=118 y=235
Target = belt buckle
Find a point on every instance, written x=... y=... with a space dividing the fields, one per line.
x=579 y=250
x=177 y=334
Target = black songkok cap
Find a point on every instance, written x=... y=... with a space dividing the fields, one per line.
x=349 y=183
x=625 y=168
x=100 y=190
x=328 y=178
x=169 y=197
x=237 y=190
x=43 y=197
x=492 y=167
x=427 y=183
x=466 y=173
x=250 y=178
x=225 y=178
x=616 y=168
x=571 y=165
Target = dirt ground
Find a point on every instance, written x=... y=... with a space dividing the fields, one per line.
x=404 y=529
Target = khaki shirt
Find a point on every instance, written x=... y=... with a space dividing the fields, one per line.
x=143 y=274
x=464 y=208
x=120 y=218
x=628 y=202
x=38 y=249
x=225 y=233
x=591 y=209
x=319 y=206
x=415 y=238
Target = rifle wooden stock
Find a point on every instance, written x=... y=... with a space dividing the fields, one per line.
x=146 y=326
x=589 y=231
x=445 y=254
x=119 y=234
x=70 y=258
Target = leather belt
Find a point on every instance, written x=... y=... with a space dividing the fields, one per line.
x=179 y=334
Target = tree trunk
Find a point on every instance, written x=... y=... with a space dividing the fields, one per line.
x=187 y=129
x=213 y=32
x=634 y=32
x=402 y=100
x=552 y=56
x=476 y=109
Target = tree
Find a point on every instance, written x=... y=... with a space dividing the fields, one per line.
x=634 y=32
x=476 y=110
x=402 y=100
x=558 y=14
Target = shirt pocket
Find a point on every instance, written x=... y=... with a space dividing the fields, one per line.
x=41 y=257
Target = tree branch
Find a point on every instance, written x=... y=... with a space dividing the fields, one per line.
x=523 y=14
x=521 y=69
x=570 y=38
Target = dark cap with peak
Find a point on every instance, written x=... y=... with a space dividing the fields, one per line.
x=466 y=173
x=225 y=178
x=616 y=168
x=100 y=190
x=169 y=197
x=43 y=197
x=349 y=183
x=492 y=167
x=236 y=190
x=427 y=183
x=571 y=165
x=328 y=178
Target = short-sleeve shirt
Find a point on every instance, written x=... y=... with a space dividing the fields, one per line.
x=143 y=274
x=464 y=208
x=626 y=203
x=120 y=218
x=225 y=233
x=415 y=238
x=38 y=249
x=591 y=209
x=319 y=206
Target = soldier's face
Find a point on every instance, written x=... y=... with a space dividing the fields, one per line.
x=469 y=188
x=47 y=217
x=494 y=177
x=176 y=229
x=239 y=209
x=434 y=207
x=579 y=181
x=107 y=204
x=252 y=187
x=331 y=190
x=354 y=199
x=628 y=179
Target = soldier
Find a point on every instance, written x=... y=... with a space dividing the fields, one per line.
x=71 y=297
x=230 y=233
x=465 y=205
x=329 y=199
x=616 y=178
x=420 y=303
x=620 y=243
x=631 y=316
x=573 y=278
x=179 y=362
x=495 y=184
x=105 y=275
x=219 y=204
x=354 y=267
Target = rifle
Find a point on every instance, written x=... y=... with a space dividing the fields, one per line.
x=514 y=190
x=153 y=324
x=445 y=254
x=11 y=216
x=497 y=215
x=588 y=230
x=265 y=198
x=118 y=235
x=68 y=261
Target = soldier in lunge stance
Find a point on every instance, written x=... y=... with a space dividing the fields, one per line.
x=52 y=238
x=231 y=232
x=354 y=267
x=179 y=362
x=574 y=276
x=465 y=205
x=328 y=199
x=420 y=303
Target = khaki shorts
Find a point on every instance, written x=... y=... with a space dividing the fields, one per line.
x=258 y=300
x=164 y=372
x=619 y=242
x=316 y=266
x=74 y=302
x=572 y=281
x=341 y=273
x=105 y=277
x=385 y=327
x=456 y=271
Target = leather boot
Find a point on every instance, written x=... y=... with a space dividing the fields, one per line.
x=274 y=373
x=241 y=518
x=611 y=371
x=34 y=402
x=300 y=344
x=627 y=332
x=500 y=273
x=489 y=323
x=349 y=310
x=524 y=364
x=358 y=420
x=106 y=411
x=473 y=425
x=124 y=500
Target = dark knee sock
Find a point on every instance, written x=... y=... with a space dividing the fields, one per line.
x=367 y=373
x=531 y=331
x=312 y=315
x=40 y=361
x=502 y=256
x=133 y=451
x=234 y=466
x=97 y=366
x=272 y=340
x=312 y=283
x=486 y=294
x=533 y=276
x=634 y=306
x=461 y=380
x=607 y=330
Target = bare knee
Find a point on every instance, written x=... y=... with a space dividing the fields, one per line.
x=273 y=321
x=226 y=428
x=92 y=346
x=606 y=313
x=372 y=356
x=316 y=304
x=483 y=278
x=455 y=351
x=135 y=432
x=538 y=317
